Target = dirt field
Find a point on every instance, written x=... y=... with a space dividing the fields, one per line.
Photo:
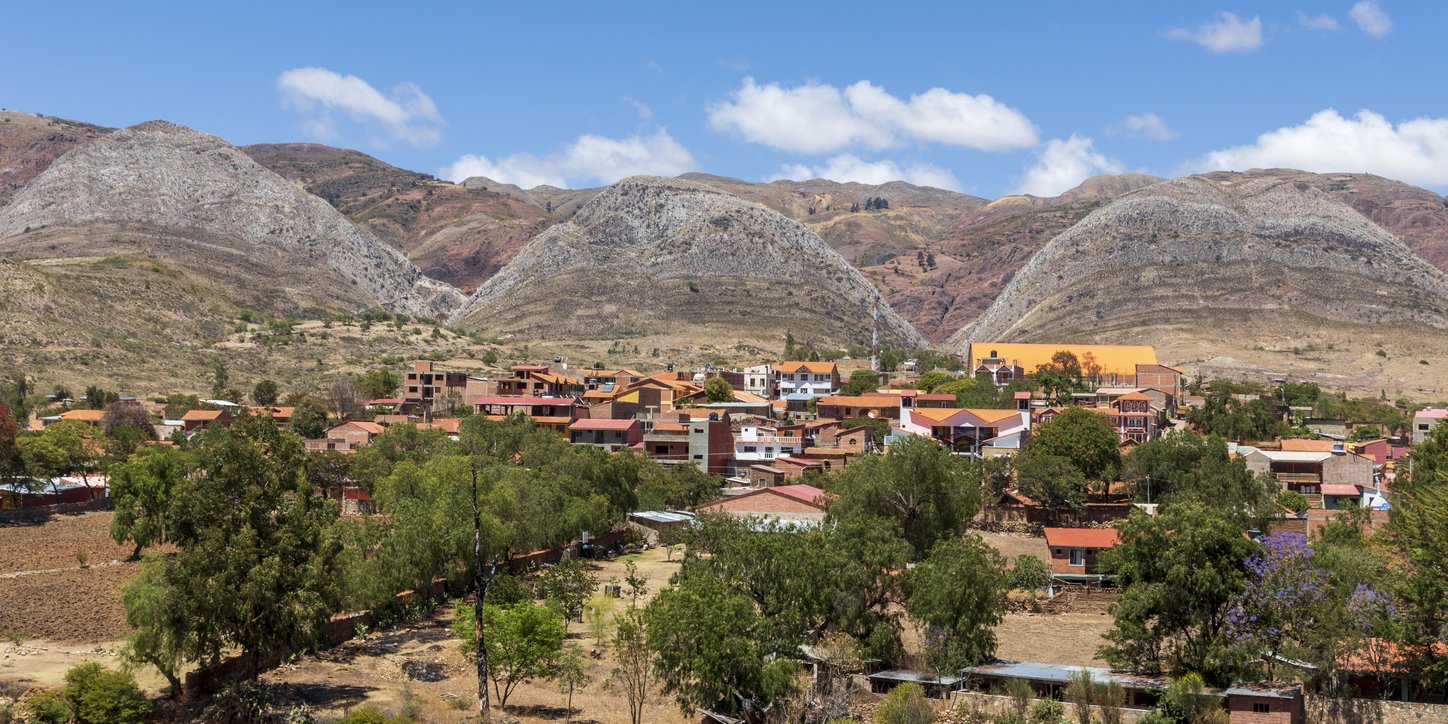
x=45 y=595
x=369 y=673
x=1067 y=638
x=1011 y=545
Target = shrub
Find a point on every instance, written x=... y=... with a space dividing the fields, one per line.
x=905 y=704
x=1292 y=500
x=50 y=707
x=93 y=694
x=1029 y=573
x=1047 y=711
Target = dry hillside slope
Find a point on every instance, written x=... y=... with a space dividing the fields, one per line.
x=1182 y=262
x=158 y=190
x=30 y=143
x=652 y=255
x=457 y=234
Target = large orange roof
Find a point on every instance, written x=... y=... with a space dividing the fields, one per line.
x=818 y=368
x=1114 y=359
x=941 y=414
x=83 y=415
x=1080 y=537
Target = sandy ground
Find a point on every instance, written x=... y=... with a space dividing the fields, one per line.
x=1011 y=545
x=1067 y=638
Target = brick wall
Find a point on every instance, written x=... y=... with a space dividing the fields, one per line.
x=1244 y=710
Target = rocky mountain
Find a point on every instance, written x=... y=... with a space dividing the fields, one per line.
x=456 y=234
x=664 y=256
x=29 y=144
x=1185 y=260
x=194 y=202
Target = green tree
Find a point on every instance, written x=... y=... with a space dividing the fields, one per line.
x=1053 y=481
x=1082 y=437
x=257 y=551
x=956 y=595
x=1179 y=573
x=66 y=447
x=633 y=670
x=524 y=642
x=220 y=378
x=378 y=383
x=929 y=381
x=1183 y=467
x=1029 y=573
x=718 y=389
x=568 y=583
x=144 y=489
x=1419 y=518
x=126 y=426
x=708 y=653
x=309 y=418
x=265 y=393
x=917 y=488
x=861 y=382
x=97 y=397
x=571 y=674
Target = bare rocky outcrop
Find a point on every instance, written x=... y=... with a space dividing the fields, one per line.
x=653 y=255
x=161 y=190
x=1227 y=245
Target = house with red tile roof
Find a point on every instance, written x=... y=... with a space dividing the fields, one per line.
x=797 y=504
x=874 y=405
x=607 y=434
x=195 y=420
x=553 y=413
x=798 y=382
x=1077 y=550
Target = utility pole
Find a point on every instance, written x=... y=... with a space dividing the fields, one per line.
x=875 y=335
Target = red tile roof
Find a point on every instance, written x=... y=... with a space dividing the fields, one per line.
x=590 y=424
x=1340 y=489
x=1081 y=537
x=806 y=493
x=523 y=400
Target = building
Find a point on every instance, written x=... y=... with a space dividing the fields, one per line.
x=757 y=444
x=94 y=418
x=798 y=382
x=704 y=442
x=610 y=435
x=878 y=405
x=423 y=384
x=1424 y=420
x=967 y=430
x=195 y=420
x=1301 y=468
x=757 y=380
x=538 y=381
x=1076 y=551
x=1132 y=417
x=553 y=413
x=787 y=504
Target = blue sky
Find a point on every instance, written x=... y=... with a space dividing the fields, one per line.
x=985 y=98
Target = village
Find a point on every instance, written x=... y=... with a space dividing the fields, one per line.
x=1077 y=457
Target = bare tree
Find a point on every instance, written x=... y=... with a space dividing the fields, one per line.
x=635 y=661
x=344 y=398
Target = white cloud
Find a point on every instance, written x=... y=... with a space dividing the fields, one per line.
x=1227 y=34
x=1317 y=22
x=818 y=118
x=1413 y=151
x=1064 y=164
x=1370 y=18
x=1145 y=125
x=406 y=114
x=589 y=160
x=847 y=167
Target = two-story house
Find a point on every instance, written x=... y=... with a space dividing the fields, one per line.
x=610 y=435
x=799 y=382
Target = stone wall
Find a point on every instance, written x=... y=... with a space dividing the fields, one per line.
x=1329 y=710
x=992 y=705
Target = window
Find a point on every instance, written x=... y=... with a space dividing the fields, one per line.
x=698 y=457
x=1258 y=708
x=1078 y=557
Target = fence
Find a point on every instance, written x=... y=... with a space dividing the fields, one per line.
x=41 y=512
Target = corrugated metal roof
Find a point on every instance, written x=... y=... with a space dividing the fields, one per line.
x=1060 y=673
